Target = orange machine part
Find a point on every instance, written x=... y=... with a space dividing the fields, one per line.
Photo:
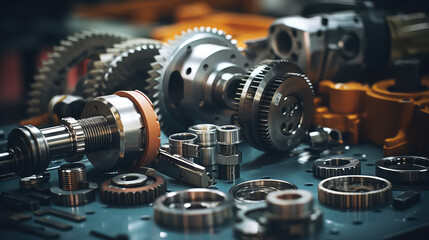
x=394 y=119
x=397 y=121
x=150 y=119
x=342 y=108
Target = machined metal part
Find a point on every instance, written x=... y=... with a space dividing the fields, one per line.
x=61 y=214
x=65 y=105
x=51 y=78
x=255 y=191
x=73 y=188
x=274 y=104
x=409 y=33
x=195 y=77
x=406 y=200
x=286 y=214
x=324 y=46
x=403 y=169
x=139 y=187
x=117 y=131
x=34 y=181
x=207 y=136
x=184 y=144
x=228 y=158
x=323 y=137
x=258 y=50
x=341 y=46
x=337 y=166
x=182 y=169
x=54 y=224
x=354 y=191
x=124 y=66
x=289 y=205
x=193 y=209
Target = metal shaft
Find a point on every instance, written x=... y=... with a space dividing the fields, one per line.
x=31 y=149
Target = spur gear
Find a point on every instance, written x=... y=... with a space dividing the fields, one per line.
x=274 y=103
x=51 y=78
x=140 y=187
x=124 y=66
x=194 y=79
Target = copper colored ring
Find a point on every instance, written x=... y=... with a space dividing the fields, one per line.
x=150 y=119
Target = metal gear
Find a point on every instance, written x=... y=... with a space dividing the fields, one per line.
x=124 y=66
x=194 y=78
x=142 y=186
x=51 y=78
x=274 y=103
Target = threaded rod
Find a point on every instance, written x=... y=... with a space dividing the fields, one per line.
x=72 y=176
x=98 y=135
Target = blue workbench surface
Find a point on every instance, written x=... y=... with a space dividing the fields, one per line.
x=296 y=168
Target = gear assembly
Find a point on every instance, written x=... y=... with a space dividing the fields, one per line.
x=200 y=134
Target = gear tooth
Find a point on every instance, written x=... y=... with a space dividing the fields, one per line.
x=159 y=58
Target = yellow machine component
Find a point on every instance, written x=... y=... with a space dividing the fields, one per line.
x=396 y=120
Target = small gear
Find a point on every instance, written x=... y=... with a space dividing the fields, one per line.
x=274 y=103
x=168 y=73
x=51 y=78
x=124 y=66
x=140 y=187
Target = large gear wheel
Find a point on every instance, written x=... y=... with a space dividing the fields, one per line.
x=125 y=66
x=140 y=187
x=187 y=76
x=274 y=103
x=51 y=78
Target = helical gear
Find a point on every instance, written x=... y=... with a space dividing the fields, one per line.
x=123 y=66
x=213 y=48
x=274 y=103
x=51 y=78
x=144 y=192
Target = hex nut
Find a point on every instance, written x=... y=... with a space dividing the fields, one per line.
x=229 y=159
